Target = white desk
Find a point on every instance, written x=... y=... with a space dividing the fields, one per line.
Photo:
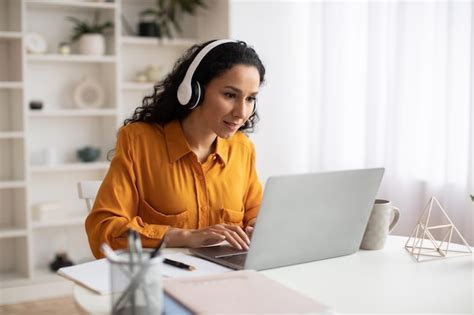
x=384 y=281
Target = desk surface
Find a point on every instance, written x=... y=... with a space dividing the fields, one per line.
x=382 y=281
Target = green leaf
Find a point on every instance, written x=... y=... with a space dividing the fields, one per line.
x=81 y=27
x=170 y=12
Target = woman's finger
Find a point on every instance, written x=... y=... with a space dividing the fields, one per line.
x=240 y=232
x=231 y=239
x=243 y=244
x=211 y=238
x=235 y=239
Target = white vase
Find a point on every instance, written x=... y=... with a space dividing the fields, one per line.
x=92 y=44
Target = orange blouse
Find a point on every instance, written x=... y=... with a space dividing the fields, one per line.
x=155 y=181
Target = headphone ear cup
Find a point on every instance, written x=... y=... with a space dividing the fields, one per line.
x=196 y=96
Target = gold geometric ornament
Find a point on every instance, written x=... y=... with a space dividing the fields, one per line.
x=423 y=246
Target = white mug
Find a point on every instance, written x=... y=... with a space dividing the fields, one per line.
x=383 y=219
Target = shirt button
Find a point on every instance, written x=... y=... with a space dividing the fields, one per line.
x=200 y=177
x=203 y=208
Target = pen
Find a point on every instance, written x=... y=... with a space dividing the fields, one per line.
x=178 y=264
x=156 y=251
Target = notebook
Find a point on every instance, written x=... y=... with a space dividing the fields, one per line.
x=95 y=275
x=240 y=292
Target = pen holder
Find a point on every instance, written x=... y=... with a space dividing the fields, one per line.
x=136 y=286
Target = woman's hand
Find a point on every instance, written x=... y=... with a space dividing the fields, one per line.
x=214 y=234
x=249 y=227
x=210 y=235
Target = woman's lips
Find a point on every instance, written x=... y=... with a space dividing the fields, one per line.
x=231 y=125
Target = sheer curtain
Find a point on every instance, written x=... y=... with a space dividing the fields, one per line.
x=396 y=91
x=356 y=84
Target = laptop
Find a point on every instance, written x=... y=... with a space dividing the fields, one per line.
x=304 y=218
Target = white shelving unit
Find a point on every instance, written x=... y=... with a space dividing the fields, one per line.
x=176 y=42
x=73 y=113
x=27 y=136
x=70 y=3
x=72 y=58
x=70 y=167
x=14 y=233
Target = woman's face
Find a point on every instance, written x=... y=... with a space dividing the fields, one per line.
x=229 y=99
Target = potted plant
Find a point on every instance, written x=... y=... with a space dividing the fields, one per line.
x=90 y=36
x=166 y=14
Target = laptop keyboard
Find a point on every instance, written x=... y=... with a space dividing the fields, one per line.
x=235 y=259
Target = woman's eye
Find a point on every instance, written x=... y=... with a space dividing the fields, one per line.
x=229 y=95
x=251 y=99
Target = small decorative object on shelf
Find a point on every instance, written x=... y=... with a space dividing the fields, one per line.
x=89 y=94
x=153 y=73
x=147 y=26
x=35 y=43
x=435 y=248
x=141 y=77
x=48 y=211
x=61 y=260
x=167 y=15
x=36 y=105
x=88 y=154
x=90 y=35
x=64 y=48
x=50 y=156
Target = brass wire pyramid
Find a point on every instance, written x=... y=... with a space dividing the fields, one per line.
x=434 y=248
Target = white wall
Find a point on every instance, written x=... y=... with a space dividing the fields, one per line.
x=295 y=132
x=282 y=133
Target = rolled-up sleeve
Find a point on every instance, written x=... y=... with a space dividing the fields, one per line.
x=116 y=205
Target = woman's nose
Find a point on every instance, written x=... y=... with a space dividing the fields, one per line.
x=240 y=110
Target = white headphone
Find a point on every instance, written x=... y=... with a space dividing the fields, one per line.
x=189 y=92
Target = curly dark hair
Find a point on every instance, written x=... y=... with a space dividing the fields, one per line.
x=162 y=106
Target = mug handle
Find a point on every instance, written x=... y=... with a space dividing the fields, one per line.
x=396 y=217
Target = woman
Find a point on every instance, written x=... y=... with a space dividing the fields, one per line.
x=183 y=168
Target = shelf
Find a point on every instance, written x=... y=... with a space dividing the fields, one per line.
x=69 y=3
x=44 y=274
x=11 y=232
x=72 y=112
x=137 y=86
x=10 y=35
x=10 y=278
x=71 y=58
x=70 y=167
x=11 y=134
x=12 y=184
x=40 y=276
x=76 y=221
x=11 y=85
x=174 y=42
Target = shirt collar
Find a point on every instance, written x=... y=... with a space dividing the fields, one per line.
x=222 y=150
x=178 y=146
x=175 y=141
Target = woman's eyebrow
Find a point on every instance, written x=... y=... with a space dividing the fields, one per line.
x=235 y=89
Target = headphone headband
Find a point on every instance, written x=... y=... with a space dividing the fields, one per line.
x=185 y=90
